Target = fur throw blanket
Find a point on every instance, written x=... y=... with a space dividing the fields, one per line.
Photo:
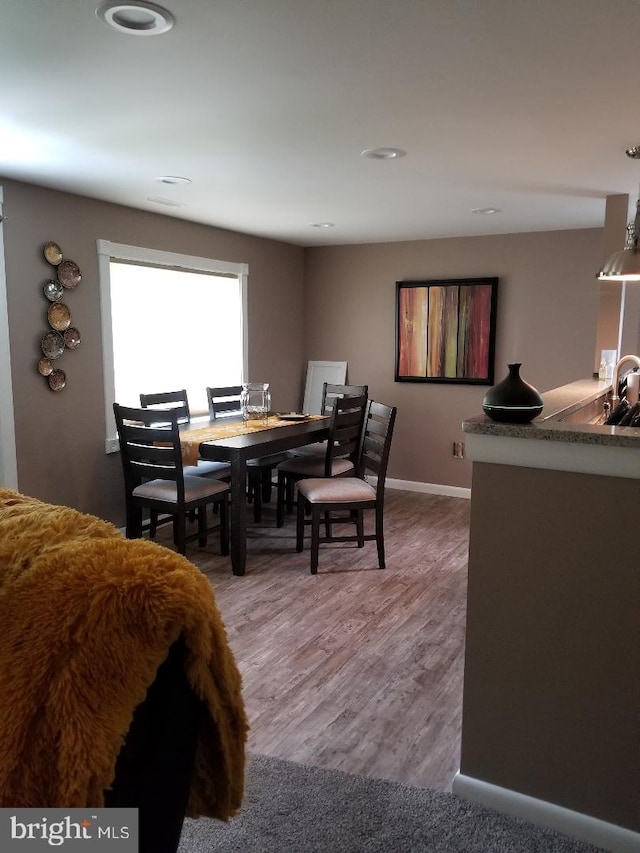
x=86 y=619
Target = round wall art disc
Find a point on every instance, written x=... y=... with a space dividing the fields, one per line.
x=53 y=253
x=69 y=274
x=52 y=345
x=57 y=380
x=72 y=338
x=53 y=290
x=59 y=316
x=45 y=367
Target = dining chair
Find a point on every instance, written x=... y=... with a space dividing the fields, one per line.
x=178 y=402
x=155 y=480
x=329 y=394
x=338 y=460
x=225 y=403
x=343 y=500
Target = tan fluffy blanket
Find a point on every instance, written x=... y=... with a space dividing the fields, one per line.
x=86 y=618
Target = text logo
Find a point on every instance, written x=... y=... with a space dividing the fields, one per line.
x=103 y=830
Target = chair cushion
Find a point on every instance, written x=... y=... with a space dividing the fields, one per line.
x=336 y=490
x=318 y=447
x=205 y=468
x=195 y=488
x=310 y=466
x=268 y=461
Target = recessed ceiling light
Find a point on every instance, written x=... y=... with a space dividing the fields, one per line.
x=173 y=179
x=135 y=17
x=485 y=210
x=382 y=153
x=322 y=224
x=169 y=202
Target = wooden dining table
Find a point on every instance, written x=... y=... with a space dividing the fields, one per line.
x=236 y=441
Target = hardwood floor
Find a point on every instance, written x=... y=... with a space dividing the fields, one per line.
x=356 y=668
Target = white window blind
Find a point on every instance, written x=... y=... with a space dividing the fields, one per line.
x=169 y=322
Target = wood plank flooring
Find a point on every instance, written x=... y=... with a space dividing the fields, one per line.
x=356 y=668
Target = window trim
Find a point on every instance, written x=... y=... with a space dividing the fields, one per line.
x=108 y=251
x=8 y=451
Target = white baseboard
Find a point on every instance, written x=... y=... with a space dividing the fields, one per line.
x=428 y=488
x=609 y=836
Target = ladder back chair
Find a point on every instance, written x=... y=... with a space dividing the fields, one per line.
x=175 y=400
x=225 y=403
x=329 y=394
x=155 y=480
x=339 y=458
x=178 y=402
x=343 y=500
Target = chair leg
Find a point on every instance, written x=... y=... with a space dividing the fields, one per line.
x=267 y=485
x=290 y=489
x=315 y=539
x=153 y=523
x=300 y=524
x=202 y=525
x=360 y=527
x=256 y=488
x=134 y=522
x=280 y=500
x=224 y=526
x=180 y=533
x=380 y=536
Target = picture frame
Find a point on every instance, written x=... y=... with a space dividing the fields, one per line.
x=446 y=330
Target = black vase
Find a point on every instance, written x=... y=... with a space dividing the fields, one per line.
x=512 y=401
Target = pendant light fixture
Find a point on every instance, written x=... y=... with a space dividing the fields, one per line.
x=625 y=265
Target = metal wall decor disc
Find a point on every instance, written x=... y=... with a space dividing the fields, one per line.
x=53 y=290
x=57 y=380
x=45 y=367
x=53 y=253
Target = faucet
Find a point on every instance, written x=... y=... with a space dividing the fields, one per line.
x=616 y=374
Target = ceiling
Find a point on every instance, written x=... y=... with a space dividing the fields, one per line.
x=266 y=105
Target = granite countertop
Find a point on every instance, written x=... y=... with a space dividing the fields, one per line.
x=559 y=403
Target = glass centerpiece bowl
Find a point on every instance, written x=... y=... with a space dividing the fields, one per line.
x=255 y=401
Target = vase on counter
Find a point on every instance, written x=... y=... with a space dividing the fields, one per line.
x=513 y=400
x=255 y=401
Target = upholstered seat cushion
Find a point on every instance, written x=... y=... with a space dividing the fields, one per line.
x=205 y=468
x=336 y=489
x=311 y=467
x=194 y=489
x=318 y=447
x=268 y=461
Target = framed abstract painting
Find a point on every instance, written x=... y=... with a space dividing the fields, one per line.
x=446 y=330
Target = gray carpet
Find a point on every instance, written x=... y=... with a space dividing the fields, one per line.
x=292 y=808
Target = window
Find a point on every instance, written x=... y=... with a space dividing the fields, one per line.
x=169 y=322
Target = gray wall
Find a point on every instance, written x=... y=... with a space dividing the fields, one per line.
x=335 y=303
x=60 y=436
x=548 y=304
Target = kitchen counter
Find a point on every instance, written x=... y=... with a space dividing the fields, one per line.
x=551 y=701
x=557 y=439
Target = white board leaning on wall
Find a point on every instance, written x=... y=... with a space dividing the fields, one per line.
x=319 y=372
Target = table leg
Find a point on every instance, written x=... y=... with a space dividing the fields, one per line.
x=238 y=518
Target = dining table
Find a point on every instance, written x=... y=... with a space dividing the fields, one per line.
x=236 y=441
